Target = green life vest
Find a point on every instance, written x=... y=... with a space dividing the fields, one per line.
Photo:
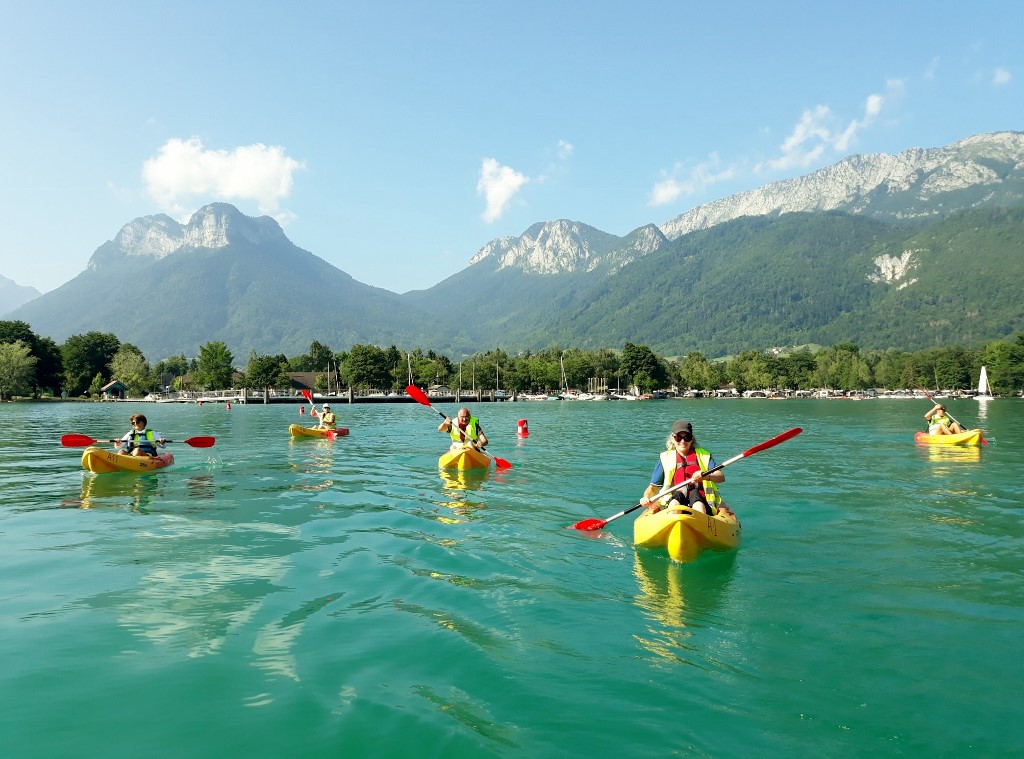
x=147 y=443
x=470 y=432
x=668 y=463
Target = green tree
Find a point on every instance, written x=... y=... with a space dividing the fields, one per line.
x=17 y=368
x=264 y=372
x=214 y=369
x=166 y=371
x=640 y=358
x=49 y=368
x=85 y=356
x=1002 y=362
x=697 y=373
x=750 y=370
x=96 y=386
x=366 y=366
x=130 y=367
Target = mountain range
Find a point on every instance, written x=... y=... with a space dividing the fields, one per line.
x=13 y=295
x=913 y=250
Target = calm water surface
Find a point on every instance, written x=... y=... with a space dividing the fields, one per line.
x=273 y=598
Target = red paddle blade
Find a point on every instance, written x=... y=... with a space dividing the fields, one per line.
x=308 y=395
x=76 y=441
x=502 y=463
x=590 y=524
x=774 y=441
x=417 y=395
x=199 y=442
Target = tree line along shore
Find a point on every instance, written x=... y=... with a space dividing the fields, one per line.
x=37 y=367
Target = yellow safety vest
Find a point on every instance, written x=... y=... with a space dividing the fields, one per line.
x=470 y=432
x=668 y=463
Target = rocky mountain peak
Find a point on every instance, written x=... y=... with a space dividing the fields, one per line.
x=911 y=184
x=568 y=246
x=213 y=226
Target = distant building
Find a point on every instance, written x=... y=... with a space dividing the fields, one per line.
x=114 y=390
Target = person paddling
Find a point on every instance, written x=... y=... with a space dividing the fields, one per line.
x=327 y=418
x=140 y=441
x=463 y=429
x=684 y=459
x=939 y=423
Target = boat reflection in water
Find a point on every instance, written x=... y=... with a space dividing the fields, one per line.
x=132 y=490
x=954 y=459
x=456 y=485
x=679 y=600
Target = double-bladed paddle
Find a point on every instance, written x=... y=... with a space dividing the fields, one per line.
x=420 y=397
x=597 y=524
x=78 y=441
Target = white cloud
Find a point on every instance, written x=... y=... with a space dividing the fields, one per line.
x=819 y=131
x=564 y=150
x=683 y=180
x=184 y=171
x=498 y=184
x=1001 y=76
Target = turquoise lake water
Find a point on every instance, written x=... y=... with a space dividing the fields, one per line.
x=270 y=598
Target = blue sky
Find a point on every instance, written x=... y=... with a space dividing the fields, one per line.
x=395 y=139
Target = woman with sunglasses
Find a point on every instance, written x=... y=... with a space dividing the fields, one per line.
x=684 y=459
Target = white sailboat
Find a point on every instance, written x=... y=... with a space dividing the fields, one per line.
x=984 y=390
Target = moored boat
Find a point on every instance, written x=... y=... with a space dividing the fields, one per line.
x=686 y=533
x=465 y=457
x=297 y=430
x=102 y=461
x=970 y=437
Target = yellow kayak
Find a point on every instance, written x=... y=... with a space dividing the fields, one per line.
x=103 y=461
x=685 y=533
x=466 y=457
x=970 y=437
x=297 y=430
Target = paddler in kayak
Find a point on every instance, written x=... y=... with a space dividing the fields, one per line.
x=463 y=429
x=684 y=459
x=328 y=420
x=140 y=441
x=941 y=424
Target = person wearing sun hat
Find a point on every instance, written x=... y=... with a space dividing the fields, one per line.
x=940 y=423
x=684 y=459
x=327 y=418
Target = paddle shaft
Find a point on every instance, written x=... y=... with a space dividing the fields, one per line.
x=590 y=524
x=658 y=496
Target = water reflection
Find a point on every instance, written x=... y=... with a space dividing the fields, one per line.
x=457 y=484
x=953 y=459
x=200 y=486
x=312 y=456
x=134 y=491
x=677 y=600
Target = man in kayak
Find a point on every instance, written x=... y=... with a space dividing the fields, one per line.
x=684 y=459
x=140 y=441
x=463 y=429
x=941 y=424
x=327 y=418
